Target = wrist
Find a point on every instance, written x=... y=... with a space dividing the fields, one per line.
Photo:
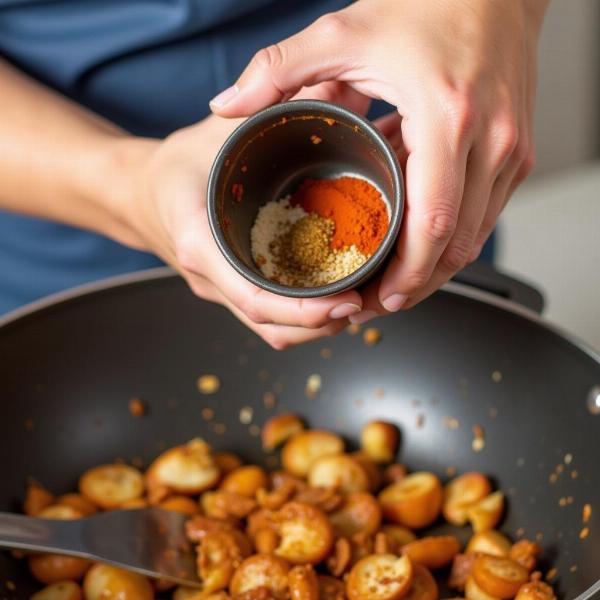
x=117 y=173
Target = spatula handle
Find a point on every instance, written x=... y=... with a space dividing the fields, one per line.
x=40 y=535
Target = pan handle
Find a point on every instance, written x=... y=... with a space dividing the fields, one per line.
x=485 y=277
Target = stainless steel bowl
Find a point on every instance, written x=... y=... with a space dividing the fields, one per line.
x=271 y=153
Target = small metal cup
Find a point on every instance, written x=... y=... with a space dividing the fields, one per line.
x=269 y=155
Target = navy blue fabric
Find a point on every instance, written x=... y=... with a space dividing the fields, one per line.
x=150 y=66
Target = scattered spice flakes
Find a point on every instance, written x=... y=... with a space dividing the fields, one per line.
x=553 y=478
x=208 y=413
x=562 y=502
x=416 y=402
x=559 y=469
x=573 y=568
x=244 y=168
x=574 y=474
x=269 y=400
x=451 y=423
x=586 y=512
x=420 y=421
x=137 y=408
x=353 y=329
x=329 y=121
x=379 y=392
x=570 y=500
x=451 y=471
x=496 y=376
x=478 y=443
x=325 y=353
x=220 y=428
x=584 y=533
x=520 y=532
x=539 y=536
x=246 y=414
x=568 y=459
x=315 y=139
x=254 y=430
x=29 y=424
x=372 y=336
x=208 y=384
x=551 y=574
x=359 y=403
x=237 y=191
x=313 y=385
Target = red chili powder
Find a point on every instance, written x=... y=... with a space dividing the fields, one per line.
x=356 y=207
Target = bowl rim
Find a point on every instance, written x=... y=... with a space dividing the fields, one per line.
x=364 y=271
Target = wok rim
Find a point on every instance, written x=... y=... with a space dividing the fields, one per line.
x=165 y=272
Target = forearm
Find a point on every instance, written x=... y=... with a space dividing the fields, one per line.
x=61 y=161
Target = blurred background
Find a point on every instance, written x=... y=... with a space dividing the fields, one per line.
x=549 y=233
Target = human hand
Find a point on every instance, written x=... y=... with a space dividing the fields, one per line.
x=168 y=217
x=462 y=76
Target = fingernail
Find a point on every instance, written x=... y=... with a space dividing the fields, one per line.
x=220 y=100
x=362 y=317
x=394 y=302
x=343 y=310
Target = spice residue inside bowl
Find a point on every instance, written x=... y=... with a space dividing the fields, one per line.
x=322 y=233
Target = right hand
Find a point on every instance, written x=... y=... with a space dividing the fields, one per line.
x=168 y=217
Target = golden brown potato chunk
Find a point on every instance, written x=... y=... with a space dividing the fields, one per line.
x=302 y=449
x=380 y=577
x=109 y=486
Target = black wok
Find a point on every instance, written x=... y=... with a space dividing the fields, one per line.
x=68 y=369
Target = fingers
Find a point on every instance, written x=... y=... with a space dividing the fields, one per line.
x=337 y=92
x=278 y=337
x=279 y=71
x=435 y=177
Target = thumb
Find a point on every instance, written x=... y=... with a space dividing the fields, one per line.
x=279 y=71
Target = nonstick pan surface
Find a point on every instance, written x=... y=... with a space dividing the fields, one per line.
x=68 y=370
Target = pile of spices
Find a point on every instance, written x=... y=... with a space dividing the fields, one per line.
x=324 y=232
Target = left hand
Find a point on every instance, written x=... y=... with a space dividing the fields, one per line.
x=462 y=76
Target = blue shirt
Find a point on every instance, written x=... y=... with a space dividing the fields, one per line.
x=151 y=66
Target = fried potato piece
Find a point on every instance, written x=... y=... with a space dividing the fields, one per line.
x=188 y=593
x=109 y=486
x=63 y=590
x=78 y=502
x=499 y=577
x=219 y=555
x=187 y=469
x=246 y=480
x=279 y=429
x=474 y=592
x=399 y=534
x=331 y=588
x=303 y=583
x=433 y=552
x=52 y=568
x=487 y=513
x=462 y=567
x=227 y=462
x=379 y=441
x=37 y=498
x=339 y=471
x=371 y=467
x=414 y=501
x=306 y=535
x=424 y=586
x=105 y=582
x=360 y=513
x=60 y=512
x=526 y=553
x=490 y=542
x=535 y=590
x=197 y=527
x=181 y=504
x=261 y=571
x=302 y=449
x=462 y=493
x=380 y=577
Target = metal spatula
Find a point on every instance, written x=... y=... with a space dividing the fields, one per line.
x=149 y=541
